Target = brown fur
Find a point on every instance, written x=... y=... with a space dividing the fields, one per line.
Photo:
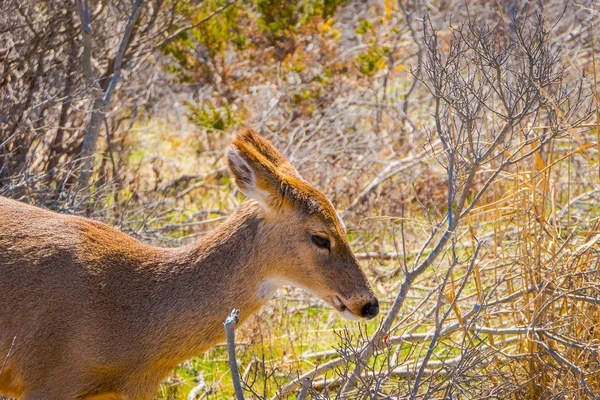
x=95 y=314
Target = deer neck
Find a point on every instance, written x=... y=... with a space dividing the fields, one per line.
x=205 y=281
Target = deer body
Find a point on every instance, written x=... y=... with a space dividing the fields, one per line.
x=87 y=312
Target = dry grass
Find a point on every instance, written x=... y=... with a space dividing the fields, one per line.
x=507 y=302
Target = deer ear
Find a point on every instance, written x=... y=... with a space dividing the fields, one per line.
x=268 y=151
x=256 y=177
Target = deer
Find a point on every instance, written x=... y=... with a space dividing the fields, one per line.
x=88 y=312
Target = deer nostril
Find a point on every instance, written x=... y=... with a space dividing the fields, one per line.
x=370 y=310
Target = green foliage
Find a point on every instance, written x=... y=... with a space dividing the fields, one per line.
x=216 y=33
x=364 y=26
x=209 y=116
x=373 y=60
x=279 y=17
x=241 y=25
x=330 y=6
x=259 y=31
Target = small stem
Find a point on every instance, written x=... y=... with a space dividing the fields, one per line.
x=304 y=392
x=230 y=325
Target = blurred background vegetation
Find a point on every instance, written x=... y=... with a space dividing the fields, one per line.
x=120 y=111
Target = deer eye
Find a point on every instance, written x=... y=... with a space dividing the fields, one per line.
x=321 y=242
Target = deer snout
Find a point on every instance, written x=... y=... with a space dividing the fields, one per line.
x=370 y=310
x=357 y=307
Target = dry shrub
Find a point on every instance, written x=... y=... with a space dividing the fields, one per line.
x=396 y=111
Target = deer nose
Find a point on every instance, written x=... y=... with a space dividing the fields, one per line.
x=370 y=310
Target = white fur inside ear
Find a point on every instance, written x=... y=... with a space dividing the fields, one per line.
x=341 y=222
x=245 y=177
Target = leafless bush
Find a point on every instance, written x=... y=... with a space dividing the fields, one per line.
x=501 y=98
x=61 y=65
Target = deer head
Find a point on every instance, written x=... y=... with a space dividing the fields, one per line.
x=306 y=234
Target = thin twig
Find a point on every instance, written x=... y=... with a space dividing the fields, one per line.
x=304 y=392
x=230 y=325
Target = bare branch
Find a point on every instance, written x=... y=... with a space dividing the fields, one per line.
x=230 y=325
x=102 y=101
